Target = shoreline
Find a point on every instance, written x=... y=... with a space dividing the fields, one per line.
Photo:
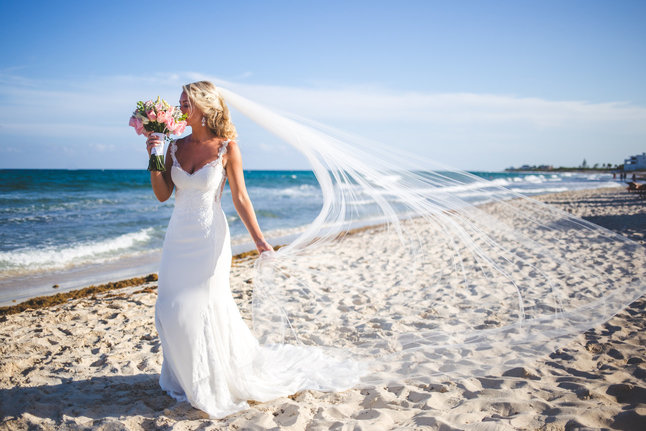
x=22 y=280
x=42 y=301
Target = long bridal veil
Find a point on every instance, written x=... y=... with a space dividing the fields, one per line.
x=453 y=275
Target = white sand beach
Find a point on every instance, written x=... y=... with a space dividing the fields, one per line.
x=94 y=363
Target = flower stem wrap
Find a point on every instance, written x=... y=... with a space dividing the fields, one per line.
x=156 y=161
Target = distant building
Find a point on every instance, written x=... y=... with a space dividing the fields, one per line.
x=635 y=163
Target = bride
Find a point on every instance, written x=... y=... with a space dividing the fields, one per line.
x=210 y=357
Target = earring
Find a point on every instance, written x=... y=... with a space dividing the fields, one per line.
x=203 y=121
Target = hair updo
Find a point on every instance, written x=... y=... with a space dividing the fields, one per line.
x=208 y=99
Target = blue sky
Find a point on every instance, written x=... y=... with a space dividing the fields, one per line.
x=475 y=84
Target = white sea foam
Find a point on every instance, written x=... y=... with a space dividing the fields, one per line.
x=79 y=253
x=535 y=179
x=303 y=190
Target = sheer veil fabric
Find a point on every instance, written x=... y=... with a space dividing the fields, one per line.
x=455 y=276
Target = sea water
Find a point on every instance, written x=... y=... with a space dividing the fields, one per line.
x=77 y=227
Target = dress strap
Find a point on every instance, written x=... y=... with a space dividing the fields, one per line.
x=173 y=148
x=223 y=148
x=222 y=151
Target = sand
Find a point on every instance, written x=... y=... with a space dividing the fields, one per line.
x=94 y=363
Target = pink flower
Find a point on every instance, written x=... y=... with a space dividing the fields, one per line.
x=161 y=116
x=179 y=128
x=151 y=115
x=170 y=123
x=137 y=124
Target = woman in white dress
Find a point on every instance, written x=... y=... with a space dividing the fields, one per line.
x=210 y=357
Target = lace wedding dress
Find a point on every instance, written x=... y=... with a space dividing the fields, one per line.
x=210 y=357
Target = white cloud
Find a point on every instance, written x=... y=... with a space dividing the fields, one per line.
x=475 y=131
x=456 y=108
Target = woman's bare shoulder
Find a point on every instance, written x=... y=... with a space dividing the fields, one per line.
x=232 y=155
x=232 y=146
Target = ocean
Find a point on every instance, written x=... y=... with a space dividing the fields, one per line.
x=73 y=228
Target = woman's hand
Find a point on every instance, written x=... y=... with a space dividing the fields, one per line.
x=262 y=246
x=152 y=141
x=161 y=182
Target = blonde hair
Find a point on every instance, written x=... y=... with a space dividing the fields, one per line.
x=208 y=99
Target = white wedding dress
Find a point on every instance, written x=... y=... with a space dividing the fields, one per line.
x=210 y=357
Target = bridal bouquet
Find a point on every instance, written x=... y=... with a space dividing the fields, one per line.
x=163 y=120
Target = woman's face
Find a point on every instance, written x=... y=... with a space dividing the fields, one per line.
x=194 y=116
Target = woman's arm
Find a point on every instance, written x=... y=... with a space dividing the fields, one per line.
x=240 y=197
x=161 y=181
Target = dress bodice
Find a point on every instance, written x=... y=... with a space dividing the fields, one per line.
x=198 y=194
